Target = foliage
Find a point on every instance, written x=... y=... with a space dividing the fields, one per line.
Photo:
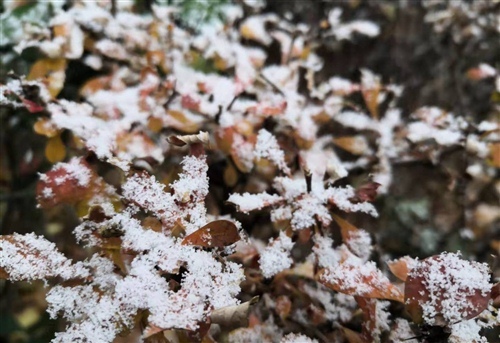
x=218 y=175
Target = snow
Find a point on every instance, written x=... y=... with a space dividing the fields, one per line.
x=338 y=307
x=360 y=243
x=31 y=257
x=297 y=338
x=466 y=331
x=340 y=197
x=326 y=255
x=276 y=256
x=267 y=147
x=247 y=202
x=355 y=120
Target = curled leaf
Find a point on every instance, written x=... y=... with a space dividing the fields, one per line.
x=202 y=137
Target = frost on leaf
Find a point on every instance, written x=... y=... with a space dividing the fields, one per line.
x=30 y=257
x=446 y=288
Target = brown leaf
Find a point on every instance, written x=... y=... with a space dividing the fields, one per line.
x=201 y=137
x=283 y=306
x=366 y=192
x=181 y=121
x=353 y=336
x=356 y=145
x=369 y=282
x=94 y=85
x=401 y=267
x=233 y=316
x=495 y=154
x=218 y=233
x=452 y=299
x=346 y=228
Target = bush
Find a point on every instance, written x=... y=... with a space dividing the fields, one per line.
x=239 y=173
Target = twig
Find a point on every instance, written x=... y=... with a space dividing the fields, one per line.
x=270 y=83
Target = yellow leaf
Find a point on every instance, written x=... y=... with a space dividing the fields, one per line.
x=52 y=71
x=55 y=151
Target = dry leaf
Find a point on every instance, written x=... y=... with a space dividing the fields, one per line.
x=233 y=316
x=218 y=233
x=202 y=137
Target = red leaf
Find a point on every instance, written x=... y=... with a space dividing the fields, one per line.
x=32 y=106
x=218 y=233
x=67 y=183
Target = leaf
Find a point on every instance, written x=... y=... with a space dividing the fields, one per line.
x=94 y=85
x=201 y=137
x=182 y=122
x=361 y=280
x=190 y=103
x=55 y=151
x=495 y=154
x=45 y=127
x=366 y=192
x=401 y=267
x=443 y=289
x=66 y=183
x=346 y=228
x=28 y=317
x=370 y=89
x=283 y=306
x=233 y=316
x=353 y=336
x=32 y=106
x=356 y=145
x=218 y=233
x=52 y=71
